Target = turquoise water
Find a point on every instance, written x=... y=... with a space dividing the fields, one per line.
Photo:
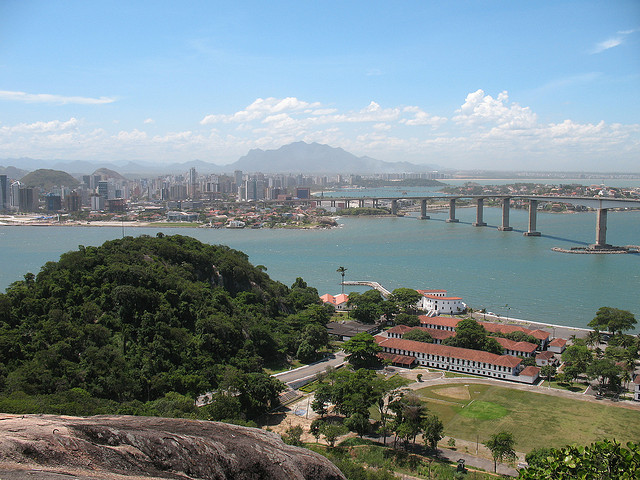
x=504 y=272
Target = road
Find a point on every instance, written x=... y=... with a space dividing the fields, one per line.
x=307 y=373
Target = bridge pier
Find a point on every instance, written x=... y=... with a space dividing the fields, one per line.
x=394 y=207
x=361 y=203
x=423 y=209
x=479 y=213
x=452 y=212
x=601 y=230
x=375 y=203
x=533 y=214
x=506 y=203
x=333 y=203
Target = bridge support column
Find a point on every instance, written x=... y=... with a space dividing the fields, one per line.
x=423 y=209
x=601 y=230
x=333 y=203
x=506 y=203
x=479 y=214
x=533 y=215
x=394 y=207
x=361 y=203
x=452 y=212
x=375 y=203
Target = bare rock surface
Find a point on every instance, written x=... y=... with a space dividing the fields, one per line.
x=47 y=447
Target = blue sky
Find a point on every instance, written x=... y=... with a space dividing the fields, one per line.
x=463 y=84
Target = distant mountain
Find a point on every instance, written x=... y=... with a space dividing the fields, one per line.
x=45 y=179
x=13 y=172
x=106 y=173
x=302 y=157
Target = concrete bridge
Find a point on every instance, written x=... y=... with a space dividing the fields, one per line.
x=385 y=293
x=602 y=204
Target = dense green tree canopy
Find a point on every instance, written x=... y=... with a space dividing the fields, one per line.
x=138 y=318
x=361 y=350
x=605 y=460
x=470 y=334
x=418 y=335
x=613 y=320
x=405 y=299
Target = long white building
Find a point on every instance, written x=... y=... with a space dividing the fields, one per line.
x=461 y=360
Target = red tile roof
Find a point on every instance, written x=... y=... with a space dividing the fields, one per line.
x=502 y=328
x=442 y=321
x=558 y=342
x=516 y=346
x=395 y=358
x=530 y=371
x=436 y=334
x=399 y=329
x=546 y=355
x=427 y=292
x=451 y=352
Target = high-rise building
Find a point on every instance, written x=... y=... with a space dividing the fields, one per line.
x=4 y=193
x=27 y=199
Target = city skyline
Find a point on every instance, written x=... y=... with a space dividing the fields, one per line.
x=506 y=85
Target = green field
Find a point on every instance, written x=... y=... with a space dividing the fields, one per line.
x=535 y=420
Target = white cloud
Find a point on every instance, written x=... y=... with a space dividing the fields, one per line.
x=485 y=132
x=607 y=44
x=149 y=121
x=48 y=98
x=613 y=41
x=480 y=109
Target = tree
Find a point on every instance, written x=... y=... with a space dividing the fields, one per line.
x=605 y=460
x=418 y=335
x=432 y=431
x=406 y=299
x=293 y=436
x=501 y=445
x=366 y=307
x=341 y=270
x=470 y=334
x=315 y=428
x=407 y=319
x=613 y=320
x=362 y=350
x=331 y=432
x=606 y=371
x=577 y=358
x=548 y=371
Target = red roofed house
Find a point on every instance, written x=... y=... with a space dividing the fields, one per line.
x=339 y=301
x=438 y=335
x=439 y=323
x=518 y=349
x=540 y=335
x=545 y=358
x=636 y=389
x=457 y=359
x=557 y=345
x=437 y=302
x=530 y=374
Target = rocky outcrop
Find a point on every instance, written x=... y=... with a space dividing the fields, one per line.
x=146 y=447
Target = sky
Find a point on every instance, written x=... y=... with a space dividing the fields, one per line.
x=502 y=85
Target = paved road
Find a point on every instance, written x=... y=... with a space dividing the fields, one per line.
x=303 y=375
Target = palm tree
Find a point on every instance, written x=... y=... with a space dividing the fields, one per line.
x=341 y=271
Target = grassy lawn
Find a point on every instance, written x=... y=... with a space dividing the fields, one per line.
x=282 y=367
x=535 y=420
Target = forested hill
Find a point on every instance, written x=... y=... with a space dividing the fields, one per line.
x=137 y=319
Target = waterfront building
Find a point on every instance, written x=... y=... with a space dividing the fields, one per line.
x=438 y=335
x=557 y=345
x=439 y=323
x=27 y=199
x=181 y=217
x=54 y=202
x=461 y=360
x=436 y=302
x=540 y=335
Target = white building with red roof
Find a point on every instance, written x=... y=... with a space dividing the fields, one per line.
x=636 y=388
x=437 y=302
x=457 y=359
x=557 y=345
x=439 y=323
x=339 y=301
x=438 y=335
x=518 y=349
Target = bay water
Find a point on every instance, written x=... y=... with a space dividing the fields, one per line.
x=504 y=272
